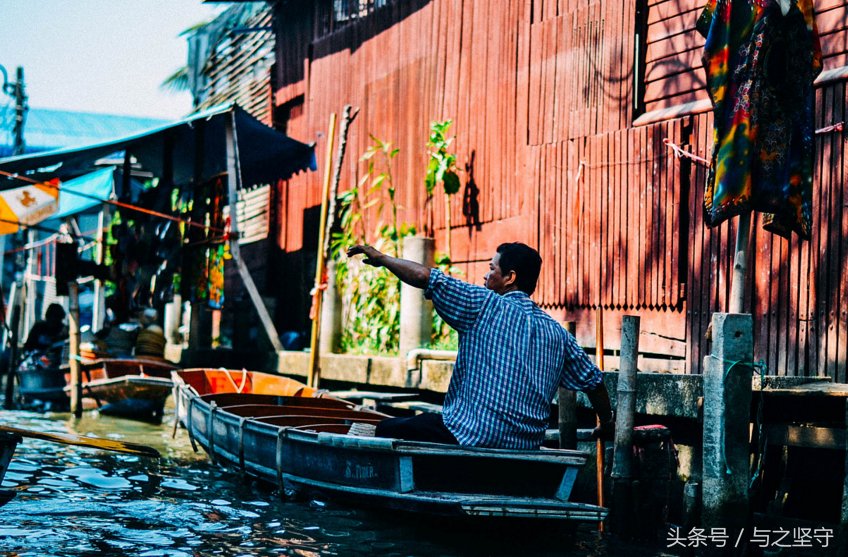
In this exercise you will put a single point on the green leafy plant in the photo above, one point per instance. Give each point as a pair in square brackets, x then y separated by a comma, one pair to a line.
[370, 296]
[442, 169]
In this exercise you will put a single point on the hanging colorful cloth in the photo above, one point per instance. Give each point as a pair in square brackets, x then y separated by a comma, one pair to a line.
[216, 276]
[760, 67]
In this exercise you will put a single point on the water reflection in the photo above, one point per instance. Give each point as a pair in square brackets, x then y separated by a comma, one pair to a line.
[72, 501]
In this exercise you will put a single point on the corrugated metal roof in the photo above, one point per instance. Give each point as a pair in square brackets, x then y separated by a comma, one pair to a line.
[264, 154]
[48, 129]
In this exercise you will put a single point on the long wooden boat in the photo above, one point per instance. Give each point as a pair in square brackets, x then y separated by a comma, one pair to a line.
[132, 388]
[287, 434]
[8, 443]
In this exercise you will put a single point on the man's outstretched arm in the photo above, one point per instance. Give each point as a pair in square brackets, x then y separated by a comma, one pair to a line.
[410, 272]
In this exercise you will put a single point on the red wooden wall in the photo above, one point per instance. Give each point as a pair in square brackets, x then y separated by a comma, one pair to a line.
[561, 125]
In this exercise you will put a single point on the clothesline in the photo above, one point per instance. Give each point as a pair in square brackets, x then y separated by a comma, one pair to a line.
[838, 127]
[120, 204]
[681, 152]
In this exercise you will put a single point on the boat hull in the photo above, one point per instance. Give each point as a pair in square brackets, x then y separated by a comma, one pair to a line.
[8, 443]
[45, 384]
[133, 388]
[298, 445]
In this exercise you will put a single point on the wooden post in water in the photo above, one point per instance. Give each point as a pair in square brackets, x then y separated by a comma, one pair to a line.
[12, 344]
[567, 403]
[73, 325]
[599, 445]
[622, 462]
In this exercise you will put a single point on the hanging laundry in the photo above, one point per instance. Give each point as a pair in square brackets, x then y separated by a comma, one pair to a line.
[760, 67]
[215, 287]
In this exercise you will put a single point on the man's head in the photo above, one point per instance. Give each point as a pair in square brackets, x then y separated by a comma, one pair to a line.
[55, 314]
[515, 266]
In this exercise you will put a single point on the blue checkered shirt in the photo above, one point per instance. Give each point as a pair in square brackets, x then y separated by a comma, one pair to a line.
[512, 357]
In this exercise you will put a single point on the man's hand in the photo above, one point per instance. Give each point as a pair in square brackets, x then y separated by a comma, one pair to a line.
[373, 257]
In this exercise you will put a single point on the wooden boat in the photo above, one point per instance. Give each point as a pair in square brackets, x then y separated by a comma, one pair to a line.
[283, 432]
[41, 378]
[8, 442]
[131, 388]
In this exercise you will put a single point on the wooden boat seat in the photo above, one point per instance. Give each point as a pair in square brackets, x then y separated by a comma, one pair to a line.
[294, 421]
[261, 410]
[231, 400]
[297, 421]
[325, 428]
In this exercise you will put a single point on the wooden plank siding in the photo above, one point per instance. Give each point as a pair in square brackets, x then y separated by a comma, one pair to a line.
[549, 116]
[239, 69]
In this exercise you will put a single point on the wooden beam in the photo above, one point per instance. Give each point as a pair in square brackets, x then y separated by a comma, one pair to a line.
[233, 177]
[810, 437]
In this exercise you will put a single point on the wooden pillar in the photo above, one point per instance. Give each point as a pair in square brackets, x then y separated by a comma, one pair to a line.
[12, 343]
[233, 177]
[567, 403]
[73, 321]
[99, 311]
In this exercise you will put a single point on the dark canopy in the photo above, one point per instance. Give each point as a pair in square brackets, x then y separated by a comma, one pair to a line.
[196, 143]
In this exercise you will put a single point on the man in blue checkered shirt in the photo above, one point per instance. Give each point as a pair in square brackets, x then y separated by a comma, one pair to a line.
[512, 356]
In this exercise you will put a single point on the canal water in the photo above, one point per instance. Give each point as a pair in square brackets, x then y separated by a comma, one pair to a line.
[73, 501]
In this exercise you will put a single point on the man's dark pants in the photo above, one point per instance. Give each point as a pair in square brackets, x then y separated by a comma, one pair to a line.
[423, 427]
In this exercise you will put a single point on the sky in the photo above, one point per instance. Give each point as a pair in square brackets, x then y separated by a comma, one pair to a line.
[103, 56]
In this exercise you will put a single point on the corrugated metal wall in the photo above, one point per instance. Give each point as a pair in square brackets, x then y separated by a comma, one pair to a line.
[544, 96]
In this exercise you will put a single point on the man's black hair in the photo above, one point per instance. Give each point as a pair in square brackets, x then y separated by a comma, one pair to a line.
[525, 261]
[54, 312]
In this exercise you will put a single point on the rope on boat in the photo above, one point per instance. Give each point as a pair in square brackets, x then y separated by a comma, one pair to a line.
[238, 388]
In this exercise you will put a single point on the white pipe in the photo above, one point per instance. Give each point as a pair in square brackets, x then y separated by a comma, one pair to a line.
[416, 355]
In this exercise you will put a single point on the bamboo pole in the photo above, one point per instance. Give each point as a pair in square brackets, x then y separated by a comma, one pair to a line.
[599, 444]
[314, 371]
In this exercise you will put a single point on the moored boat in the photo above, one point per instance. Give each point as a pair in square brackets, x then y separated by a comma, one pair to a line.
[303, 442]
[41, 379]
[131, 388]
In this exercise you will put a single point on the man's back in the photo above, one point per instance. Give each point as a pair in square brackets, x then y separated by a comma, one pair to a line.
[512, 357]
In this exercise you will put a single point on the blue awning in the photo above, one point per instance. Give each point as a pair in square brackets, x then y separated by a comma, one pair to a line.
[85, 192]
[194, 145]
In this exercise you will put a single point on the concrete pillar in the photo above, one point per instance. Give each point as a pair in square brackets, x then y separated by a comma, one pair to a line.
[416, 313]
[331, 314]
[727, 413]
[172, 319]
[622, 463]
